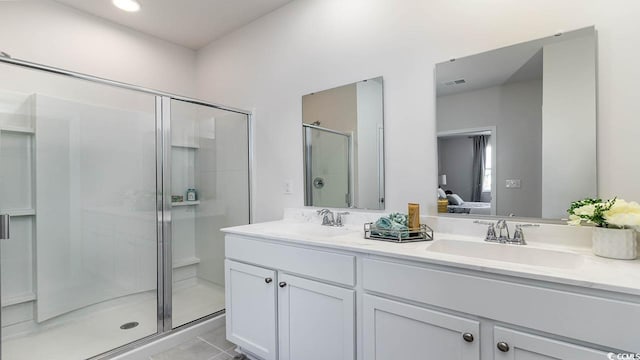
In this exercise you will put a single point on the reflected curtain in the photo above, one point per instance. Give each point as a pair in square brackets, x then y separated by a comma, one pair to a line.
[479, 161]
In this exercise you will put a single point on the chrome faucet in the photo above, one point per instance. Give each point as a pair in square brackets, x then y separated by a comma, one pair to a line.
[328, 217]
[502, 227]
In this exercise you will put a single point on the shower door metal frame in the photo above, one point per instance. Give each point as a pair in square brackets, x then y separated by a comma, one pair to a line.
[163, 198]
[165, 255]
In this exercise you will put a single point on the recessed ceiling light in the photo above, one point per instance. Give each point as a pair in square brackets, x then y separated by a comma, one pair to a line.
[127, 5]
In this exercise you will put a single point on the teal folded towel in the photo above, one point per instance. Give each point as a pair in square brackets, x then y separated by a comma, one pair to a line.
[386, 223]
[395, 221]
[399, 218]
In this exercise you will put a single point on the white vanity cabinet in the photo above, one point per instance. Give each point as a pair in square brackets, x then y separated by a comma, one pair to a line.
[276, 315]
[251, 308]
[564, 313]
[291, 301]
[516, 345]
[316, 321]
[395, 330]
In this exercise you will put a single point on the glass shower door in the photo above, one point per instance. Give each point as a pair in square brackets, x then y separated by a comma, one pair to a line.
[328, 172]
[78, 177]
[210, 190]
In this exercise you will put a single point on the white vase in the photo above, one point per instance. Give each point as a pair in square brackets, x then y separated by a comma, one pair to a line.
[615, 243]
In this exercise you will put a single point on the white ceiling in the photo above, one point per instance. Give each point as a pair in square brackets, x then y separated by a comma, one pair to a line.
[190, 23]
[514, 63]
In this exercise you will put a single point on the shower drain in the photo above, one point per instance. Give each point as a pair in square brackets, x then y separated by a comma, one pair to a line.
[129, 325]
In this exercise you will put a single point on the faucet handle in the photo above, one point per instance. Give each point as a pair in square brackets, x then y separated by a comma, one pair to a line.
[491, 230]
[526, 225]
[491, 233]
[482, 222]
[323, 211]
[339, 216]
[518, 235]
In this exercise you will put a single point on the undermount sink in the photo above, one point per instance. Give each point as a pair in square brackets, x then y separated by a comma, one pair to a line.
[518, 254]
[309, 229]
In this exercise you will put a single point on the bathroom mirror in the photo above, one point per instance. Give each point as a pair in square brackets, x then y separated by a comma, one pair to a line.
[500, 151]
[342, 131]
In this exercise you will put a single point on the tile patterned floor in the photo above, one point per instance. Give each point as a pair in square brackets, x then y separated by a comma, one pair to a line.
[208, 346]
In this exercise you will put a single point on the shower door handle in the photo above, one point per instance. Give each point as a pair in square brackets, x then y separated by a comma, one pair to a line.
[5, 221]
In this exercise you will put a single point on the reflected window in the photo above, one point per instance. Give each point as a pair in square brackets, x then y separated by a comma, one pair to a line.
[486, 182]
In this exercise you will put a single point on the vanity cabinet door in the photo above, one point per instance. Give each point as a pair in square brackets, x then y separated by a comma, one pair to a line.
[515, 345]
[251, 308]
[316, 320]
[393, 330]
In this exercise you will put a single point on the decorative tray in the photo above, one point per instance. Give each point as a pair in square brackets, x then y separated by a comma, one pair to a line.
[423, 233]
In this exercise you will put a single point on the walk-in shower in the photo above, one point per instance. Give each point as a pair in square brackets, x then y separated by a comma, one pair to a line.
[116, 195]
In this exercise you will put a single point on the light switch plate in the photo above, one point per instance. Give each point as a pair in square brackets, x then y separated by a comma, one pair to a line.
[512, 183]
[288, 187]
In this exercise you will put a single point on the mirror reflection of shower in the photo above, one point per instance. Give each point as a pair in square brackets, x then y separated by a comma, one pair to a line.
[343, 137]
[328, 170]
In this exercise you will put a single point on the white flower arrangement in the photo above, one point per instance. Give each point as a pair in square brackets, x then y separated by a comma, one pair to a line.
[614, 213]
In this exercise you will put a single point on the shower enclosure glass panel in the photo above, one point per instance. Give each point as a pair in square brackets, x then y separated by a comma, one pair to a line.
[328, 173]
[78, 176]
[210, 190]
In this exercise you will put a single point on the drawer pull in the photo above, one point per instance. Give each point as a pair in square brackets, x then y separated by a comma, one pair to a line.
[503, 346]
[282, 284]
[468, 337]
[268, 280]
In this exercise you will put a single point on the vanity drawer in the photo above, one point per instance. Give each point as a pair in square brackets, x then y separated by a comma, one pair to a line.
[322, 265]
[598, 320]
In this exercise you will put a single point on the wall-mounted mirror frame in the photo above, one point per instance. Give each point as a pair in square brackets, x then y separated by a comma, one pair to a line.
[499, 149]
[343, 146]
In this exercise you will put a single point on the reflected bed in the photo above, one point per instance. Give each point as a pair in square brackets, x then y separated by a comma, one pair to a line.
[469, 207]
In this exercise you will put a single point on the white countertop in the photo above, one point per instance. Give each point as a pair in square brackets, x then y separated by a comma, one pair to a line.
[592, 272]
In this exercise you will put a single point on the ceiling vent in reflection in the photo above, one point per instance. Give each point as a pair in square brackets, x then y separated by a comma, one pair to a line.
[455, 82]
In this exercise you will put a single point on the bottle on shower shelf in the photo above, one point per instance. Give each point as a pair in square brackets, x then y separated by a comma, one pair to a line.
[192, 195]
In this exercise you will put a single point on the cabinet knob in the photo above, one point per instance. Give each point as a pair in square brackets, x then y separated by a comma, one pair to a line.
[268, 280]
[468, 337]
[282, 284]
[503, 346]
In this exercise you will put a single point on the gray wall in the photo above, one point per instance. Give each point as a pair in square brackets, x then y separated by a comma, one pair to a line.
[455, 159]
[516, 112]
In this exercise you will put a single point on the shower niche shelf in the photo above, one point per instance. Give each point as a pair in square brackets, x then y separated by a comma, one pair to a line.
[185, 203]
[17, 129]
[187, 146]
